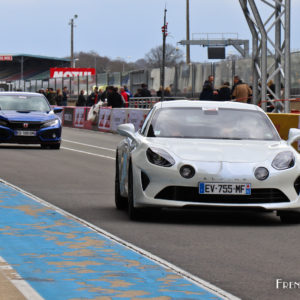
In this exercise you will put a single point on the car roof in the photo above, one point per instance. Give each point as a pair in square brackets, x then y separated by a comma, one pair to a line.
[206, 104]
[20, 93]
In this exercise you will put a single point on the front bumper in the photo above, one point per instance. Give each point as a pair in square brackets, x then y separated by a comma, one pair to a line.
[166, 187]
[44, 135]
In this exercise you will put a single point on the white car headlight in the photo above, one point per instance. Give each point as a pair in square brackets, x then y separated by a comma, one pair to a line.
[283, 160]
[51, 123]
[160, 157]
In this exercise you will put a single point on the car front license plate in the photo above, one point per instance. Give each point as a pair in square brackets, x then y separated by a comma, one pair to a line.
[209, 188]
[25, 133]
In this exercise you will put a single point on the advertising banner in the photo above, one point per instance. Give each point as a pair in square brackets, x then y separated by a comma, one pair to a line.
[68, 116]
[104, 119]
[79, 116]
[71, 72]
[118, 117]
[6, 58]
[137, 117]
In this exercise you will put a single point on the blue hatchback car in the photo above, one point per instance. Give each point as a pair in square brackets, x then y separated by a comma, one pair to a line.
[27, 118]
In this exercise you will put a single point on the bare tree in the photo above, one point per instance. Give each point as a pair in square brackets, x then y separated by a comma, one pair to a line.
[154, 56]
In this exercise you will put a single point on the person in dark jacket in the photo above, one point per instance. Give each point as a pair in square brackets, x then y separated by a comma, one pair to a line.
[208, 91]
[81, 101]
[65, 96]
[144, 91]
[59, 97]
[114, 99]
[224, 93]
[93, 97]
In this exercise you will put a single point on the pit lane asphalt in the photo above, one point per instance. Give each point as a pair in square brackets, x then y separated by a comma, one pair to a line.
[242, 253]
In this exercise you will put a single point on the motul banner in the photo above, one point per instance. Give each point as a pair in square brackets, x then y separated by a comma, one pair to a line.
[71, 72]
[6, 58]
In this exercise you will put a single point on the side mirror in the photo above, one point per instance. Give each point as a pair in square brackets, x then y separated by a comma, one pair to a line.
[127, 130]
[294, 135]
[57, 110]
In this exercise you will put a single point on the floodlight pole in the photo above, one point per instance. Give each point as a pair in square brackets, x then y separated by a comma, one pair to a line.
[188, 52]
[162, 76]
[72, 40]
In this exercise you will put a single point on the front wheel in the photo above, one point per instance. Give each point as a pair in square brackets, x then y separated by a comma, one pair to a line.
[50, 146]
[121, 202]
[289, 217]
[133, 212]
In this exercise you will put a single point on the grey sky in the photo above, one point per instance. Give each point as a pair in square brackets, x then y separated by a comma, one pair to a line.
[117, 28]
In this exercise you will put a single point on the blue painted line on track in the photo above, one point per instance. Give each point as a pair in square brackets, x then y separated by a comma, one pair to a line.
[63, 259]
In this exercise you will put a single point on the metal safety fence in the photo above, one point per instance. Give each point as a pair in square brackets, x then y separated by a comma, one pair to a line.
[182, 80]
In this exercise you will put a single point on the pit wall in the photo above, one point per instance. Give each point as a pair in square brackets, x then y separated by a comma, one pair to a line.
[109, 119]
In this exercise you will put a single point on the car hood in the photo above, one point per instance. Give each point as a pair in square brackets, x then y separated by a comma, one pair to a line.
[242, 151]
[35, 116]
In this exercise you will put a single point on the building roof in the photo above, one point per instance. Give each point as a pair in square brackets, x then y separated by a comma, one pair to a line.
[38, 57]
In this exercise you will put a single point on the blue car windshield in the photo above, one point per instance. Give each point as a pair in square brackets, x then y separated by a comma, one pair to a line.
[24, 103]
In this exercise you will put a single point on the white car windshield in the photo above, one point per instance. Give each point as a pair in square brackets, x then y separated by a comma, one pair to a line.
[24, 103]
[212, 123]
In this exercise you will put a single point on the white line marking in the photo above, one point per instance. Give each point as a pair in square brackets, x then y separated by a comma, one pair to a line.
[89, 153]
[108, 149]
[23, 286]
[194, 279]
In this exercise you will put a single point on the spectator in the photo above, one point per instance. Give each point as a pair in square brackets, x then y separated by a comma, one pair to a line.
[59, 97]
[65, 96]
[224, 93]
[167, 91]
[124, 95]
[159, 92]
[208, 91]
[93, 97]
[51, 95]
[144, 91]
[114, 99]
[127, 91]
[242, 91]
[138, 93]
[103, 96]
[81, 101]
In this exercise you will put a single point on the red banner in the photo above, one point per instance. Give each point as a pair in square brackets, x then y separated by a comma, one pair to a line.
[6, 58]
[71, 72]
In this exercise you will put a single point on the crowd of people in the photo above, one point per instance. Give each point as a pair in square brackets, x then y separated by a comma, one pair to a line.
[119, 97]
[58, 97]
[240, 91]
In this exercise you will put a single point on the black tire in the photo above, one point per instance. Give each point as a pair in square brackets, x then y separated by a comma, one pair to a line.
[50, 146]
[133, 212]
[289, 217]
[55, 146]
[121, 202]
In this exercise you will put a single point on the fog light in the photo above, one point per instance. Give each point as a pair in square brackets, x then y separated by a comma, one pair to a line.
[261, 173]
[187, 171]
[54, 135]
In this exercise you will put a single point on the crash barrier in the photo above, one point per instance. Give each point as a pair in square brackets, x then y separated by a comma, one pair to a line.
[283, 123]
[105, 119]
[108, 119]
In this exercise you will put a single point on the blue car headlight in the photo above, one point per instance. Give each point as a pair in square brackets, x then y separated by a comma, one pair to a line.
[3, 122]
[283, 160]
[160, 157]
[51, 123]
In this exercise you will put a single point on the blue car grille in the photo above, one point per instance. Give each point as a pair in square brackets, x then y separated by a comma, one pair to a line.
[20, 125]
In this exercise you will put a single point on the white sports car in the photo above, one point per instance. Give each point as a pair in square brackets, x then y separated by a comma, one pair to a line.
[207, 154]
